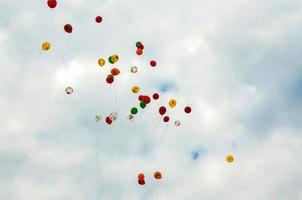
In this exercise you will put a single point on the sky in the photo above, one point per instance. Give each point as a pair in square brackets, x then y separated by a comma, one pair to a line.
[236, 63]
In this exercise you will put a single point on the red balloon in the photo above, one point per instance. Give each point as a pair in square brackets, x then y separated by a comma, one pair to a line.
[155, 96]
[188, 109]
[166, 118]
[146, 99]
[98, 19]
[52, 3]
[141, 181]
[108, 120]
[109, 79]
[68, 28]
[141, 46]
[162, 110]
[140, 97]
[153, 63]
[139, 52]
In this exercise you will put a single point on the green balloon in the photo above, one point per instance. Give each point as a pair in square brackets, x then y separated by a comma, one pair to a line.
[142, 104]
[138, 44]
[134, 110]
[110, 60]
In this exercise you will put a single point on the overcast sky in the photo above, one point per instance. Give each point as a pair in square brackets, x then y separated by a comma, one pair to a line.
[237, 63]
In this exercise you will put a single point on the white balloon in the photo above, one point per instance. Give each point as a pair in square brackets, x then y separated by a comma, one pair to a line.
[177, 123]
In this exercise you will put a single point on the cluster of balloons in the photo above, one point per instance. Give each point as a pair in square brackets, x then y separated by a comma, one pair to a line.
[144, 100]
[114, 71]
[141, 177]
[172, 103]
[111, 118]
[68, 29]
[139, 48]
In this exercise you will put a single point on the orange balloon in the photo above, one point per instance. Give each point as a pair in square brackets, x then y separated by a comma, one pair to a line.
[157, 175]
[141, 176]
[115, 71]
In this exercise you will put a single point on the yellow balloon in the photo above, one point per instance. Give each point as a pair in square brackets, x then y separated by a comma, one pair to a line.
[114, 58]
[135, 89]
[102, 62]
[46, 46]
[229, 158]
[172, 103]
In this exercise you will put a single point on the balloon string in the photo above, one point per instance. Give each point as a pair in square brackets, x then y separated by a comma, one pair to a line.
[96, 144]
[67, 47]
[163, 135]
[40, 53]
[115, 98]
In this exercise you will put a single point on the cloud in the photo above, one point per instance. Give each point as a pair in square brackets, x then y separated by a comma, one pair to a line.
[237, 64]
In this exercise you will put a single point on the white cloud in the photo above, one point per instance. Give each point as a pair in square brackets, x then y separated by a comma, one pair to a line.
[234, 62]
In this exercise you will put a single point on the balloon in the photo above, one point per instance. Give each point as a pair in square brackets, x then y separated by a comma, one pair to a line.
[113, 116]
[172, 103]
[110, 60]
[114, 58]
[133, 69]
[157, 175]
[177, 123]
[141, 176]
[162, 110]
[146, 99]
[134, 110]
[109, 79]
[98, 19]
[153, 63]
[166, 119]
[101, 62]
[141, 182]
[115, 71]
[155, 96]
[98, 118]
[46, 46]
[188, 109]
[138, 44]
[139, 52]
[52, 3]
[130, 117]
[68, 28]
[135, 89]
[108, 120]
[142, 104]
[141, 47]
[229, 158]
[140, 97]
[69, 90]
